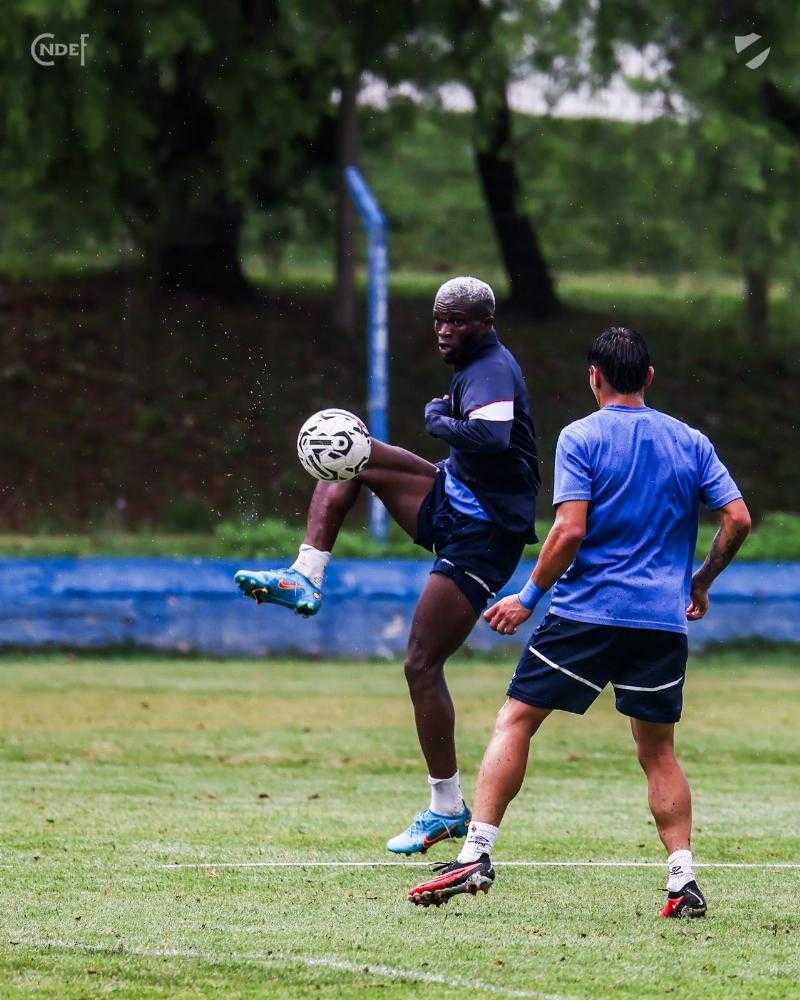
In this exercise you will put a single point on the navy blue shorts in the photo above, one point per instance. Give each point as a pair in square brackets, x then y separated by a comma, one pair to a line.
[567, 664]
[478, 556]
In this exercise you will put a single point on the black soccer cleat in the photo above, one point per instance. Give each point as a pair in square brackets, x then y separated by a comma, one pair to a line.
[687, 902]
[454, 878]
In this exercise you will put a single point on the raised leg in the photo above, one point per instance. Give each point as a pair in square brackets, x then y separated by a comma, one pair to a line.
[506, 760]
[667, 788]
[442, 621]
[399, 478]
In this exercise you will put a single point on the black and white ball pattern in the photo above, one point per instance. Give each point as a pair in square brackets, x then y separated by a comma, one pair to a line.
[334, 445]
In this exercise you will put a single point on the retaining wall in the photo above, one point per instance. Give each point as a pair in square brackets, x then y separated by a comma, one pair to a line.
[191, 605]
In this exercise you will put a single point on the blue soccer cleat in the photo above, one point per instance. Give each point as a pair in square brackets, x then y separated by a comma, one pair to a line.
[428, 828]
[285, 587]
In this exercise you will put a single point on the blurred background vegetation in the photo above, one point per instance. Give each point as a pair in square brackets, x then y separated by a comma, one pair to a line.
[180, 279]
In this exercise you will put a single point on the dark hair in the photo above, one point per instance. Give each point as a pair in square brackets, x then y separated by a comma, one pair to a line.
[621, 355]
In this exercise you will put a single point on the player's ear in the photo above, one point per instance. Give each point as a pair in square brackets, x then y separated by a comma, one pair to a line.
[648, 379]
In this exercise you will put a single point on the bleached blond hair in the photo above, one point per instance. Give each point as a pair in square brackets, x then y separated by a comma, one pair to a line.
[473, 293]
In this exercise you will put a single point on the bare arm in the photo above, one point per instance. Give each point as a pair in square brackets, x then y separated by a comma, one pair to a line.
[734, 526]
[562, 543]
[557, 552]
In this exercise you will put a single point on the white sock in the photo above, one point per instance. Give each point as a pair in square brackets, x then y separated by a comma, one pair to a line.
[446, 797]
[480, 840]
[312, 563]
[680, 866]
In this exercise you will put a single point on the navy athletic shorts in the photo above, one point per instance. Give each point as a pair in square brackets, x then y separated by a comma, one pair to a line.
[567, 664]
[478, 556]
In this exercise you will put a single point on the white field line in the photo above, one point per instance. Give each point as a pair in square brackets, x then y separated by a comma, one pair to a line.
[174, 866]
[281, 958]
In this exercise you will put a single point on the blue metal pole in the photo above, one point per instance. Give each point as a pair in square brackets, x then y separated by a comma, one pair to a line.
[377, 326]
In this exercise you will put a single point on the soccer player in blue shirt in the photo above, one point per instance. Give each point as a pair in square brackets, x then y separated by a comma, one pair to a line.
[475, 511]
[628, 484]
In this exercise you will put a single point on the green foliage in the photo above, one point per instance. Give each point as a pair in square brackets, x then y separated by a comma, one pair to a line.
[177, 108]
[274, 539]
[776, 538]
[187, 515]
[184, 107]
[178, 104]
[648, 197]
[744, 123]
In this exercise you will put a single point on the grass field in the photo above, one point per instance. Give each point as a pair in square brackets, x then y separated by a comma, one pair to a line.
[115, 768]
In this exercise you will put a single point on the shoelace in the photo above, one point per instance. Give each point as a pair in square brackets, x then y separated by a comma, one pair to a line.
[444, 866]
[417, 823]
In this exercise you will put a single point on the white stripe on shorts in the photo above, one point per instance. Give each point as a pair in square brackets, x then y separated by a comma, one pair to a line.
[564, 670]
[633, 687]
[481, 582]
[466, 572]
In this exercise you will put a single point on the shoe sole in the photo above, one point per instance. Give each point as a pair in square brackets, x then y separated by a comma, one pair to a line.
[683, 911]
[261, 595]
[686, 913]
[437, 897]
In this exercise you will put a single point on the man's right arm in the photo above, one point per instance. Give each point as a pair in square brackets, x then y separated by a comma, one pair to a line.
[733, 529]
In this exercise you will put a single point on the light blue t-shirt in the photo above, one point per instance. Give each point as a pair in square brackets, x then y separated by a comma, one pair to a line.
[645, 475]
[461, 496]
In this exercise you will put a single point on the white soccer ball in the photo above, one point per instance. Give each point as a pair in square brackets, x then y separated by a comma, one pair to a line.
[334, 445]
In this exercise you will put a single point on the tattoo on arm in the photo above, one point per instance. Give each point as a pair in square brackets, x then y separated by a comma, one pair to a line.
[724, 547]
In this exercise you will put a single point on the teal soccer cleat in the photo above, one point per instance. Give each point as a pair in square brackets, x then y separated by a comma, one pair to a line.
[285, 587]
[428, 828]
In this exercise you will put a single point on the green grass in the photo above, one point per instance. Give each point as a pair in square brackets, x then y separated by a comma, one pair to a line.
[776, 539]
[114, 766]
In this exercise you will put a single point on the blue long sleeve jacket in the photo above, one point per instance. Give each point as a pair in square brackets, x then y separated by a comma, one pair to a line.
[488, 425]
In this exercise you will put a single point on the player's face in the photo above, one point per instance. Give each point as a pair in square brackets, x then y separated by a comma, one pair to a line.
[457, 331]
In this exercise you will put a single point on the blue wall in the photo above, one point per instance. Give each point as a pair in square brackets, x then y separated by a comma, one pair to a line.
[192, 605]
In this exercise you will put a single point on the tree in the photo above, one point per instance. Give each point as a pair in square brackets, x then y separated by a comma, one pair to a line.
[182, 116]
[485, 45]
[746, 118]
[344, 306]
[531, 285]
[355, 39]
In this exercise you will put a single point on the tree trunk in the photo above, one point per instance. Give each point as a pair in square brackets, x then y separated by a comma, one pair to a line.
[196, 226]
[344, 306]
[197, 250]
[532, 289]
[782, 108]
[757, 302]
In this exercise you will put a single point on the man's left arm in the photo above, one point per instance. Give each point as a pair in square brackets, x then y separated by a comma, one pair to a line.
[719, 492]
[488, 402]
[557, 553]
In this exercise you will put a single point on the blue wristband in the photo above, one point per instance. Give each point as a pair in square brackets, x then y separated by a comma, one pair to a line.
[530, 595]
